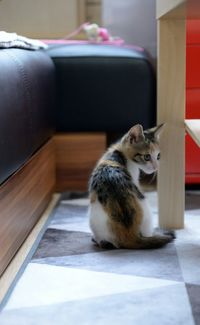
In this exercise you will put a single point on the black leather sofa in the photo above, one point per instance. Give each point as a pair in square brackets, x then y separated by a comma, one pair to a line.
[27, 95]
[68, 88]
[97, 88]
[103, 88]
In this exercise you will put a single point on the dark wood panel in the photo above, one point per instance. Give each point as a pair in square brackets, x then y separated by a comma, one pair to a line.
[76, 155]
[23, 198]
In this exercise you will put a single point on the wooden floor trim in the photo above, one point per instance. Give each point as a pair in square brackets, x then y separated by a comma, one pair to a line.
[15, 268]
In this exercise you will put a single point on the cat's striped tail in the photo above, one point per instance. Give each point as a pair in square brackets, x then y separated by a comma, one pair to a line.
[156, 241]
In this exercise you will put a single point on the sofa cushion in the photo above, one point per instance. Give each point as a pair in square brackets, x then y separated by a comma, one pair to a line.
[102, 87]
[26, 106]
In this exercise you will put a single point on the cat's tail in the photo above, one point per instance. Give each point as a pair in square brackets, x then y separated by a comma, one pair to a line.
[153, 242]
[156, 241]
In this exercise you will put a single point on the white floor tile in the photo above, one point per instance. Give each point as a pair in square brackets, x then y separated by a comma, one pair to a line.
[44, 285]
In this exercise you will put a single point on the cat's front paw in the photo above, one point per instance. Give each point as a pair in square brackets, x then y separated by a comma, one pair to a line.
[103, 244]
[106, 245]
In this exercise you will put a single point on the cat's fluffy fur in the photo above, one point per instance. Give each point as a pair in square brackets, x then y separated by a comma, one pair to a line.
[119, 213]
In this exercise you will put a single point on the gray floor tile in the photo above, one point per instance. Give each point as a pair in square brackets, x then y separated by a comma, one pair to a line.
[56, 242]
[189, 259]
[194, 297]
[66, 213]
[162, 263]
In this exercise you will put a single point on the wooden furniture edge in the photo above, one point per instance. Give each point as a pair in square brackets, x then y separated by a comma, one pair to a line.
[177, 9]
[32, 185]
[171, 110]
[173, 9]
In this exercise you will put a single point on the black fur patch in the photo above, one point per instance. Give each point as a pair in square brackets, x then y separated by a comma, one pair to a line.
[149, 136]
[113, 186]
[111, 181]
[139, 194]
[138, 158]
[117, 156]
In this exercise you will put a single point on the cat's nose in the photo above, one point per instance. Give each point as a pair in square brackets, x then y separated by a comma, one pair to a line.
[155, 164]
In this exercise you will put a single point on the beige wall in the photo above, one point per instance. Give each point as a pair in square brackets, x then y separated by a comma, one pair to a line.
[39, 18]
[93, 11]
[133, 20]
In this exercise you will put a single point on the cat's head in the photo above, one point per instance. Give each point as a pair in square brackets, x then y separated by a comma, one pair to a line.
[142, 147]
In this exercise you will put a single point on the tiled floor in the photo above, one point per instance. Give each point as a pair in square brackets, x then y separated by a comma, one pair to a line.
[70, 281]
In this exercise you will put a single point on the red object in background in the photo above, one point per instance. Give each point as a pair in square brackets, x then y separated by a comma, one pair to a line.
[192, 98]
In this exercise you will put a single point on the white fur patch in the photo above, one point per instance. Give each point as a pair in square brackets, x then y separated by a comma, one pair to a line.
[147, 221]
[99, 223]
[133, 170]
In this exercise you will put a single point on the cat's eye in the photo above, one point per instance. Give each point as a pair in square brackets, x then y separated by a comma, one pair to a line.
[158, 156]
[147, 157]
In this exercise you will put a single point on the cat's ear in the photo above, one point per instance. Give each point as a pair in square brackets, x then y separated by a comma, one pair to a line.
[136, 134]
[158, 130]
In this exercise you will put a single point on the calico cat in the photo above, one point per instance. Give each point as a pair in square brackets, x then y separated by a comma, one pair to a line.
[118, 212]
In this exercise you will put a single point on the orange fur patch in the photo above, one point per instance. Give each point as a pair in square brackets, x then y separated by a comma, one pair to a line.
[125, 237]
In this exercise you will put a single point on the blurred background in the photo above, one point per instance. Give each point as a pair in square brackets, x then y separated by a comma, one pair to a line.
[132, 20]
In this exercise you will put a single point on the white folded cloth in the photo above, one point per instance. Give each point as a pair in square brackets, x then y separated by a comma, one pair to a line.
[8, 40]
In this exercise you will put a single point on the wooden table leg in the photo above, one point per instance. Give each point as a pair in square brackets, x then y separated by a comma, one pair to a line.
[171, 109]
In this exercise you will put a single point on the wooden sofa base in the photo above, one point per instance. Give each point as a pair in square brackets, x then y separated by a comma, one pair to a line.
[23, 198]
[25, 195]
[76, 155]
